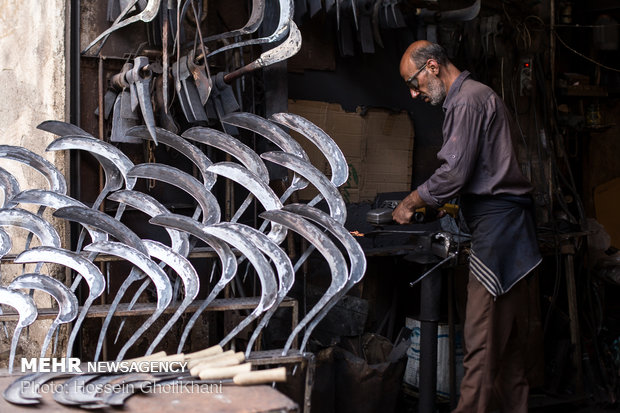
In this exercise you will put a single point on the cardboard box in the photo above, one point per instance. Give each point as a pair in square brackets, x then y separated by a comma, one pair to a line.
[378, 146]
[412, 372]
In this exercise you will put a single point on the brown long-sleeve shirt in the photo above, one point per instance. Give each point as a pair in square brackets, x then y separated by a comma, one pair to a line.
[477, 153]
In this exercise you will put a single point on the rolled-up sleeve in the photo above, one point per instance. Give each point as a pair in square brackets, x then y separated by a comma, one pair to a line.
[462, 129]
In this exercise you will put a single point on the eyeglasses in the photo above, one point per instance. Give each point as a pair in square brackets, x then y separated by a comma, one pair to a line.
[412, 82]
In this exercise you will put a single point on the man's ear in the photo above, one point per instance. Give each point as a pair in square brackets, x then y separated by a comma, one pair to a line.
[433, 66]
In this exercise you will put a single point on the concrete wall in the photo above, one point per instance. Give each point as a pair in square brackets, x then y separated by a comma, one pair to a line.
[33, 87]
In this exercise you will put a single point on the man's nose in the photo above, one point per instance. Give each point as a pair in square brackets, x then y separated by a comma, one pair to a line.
[414, 93]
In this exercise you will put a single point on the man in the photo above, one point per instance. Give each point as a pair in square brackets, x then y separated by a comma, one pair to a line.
[479, 166]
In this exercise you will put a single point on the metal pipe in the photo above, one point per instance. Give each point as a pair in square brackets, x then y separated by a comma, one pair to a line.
[430, 293]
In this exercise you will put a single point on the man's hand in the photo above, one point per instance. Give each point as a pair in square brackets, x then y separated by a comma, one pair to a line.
[403, 213]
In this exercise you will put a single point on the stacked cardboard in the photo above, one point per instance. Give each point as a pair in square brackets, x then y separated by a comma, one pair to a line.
[378, 146]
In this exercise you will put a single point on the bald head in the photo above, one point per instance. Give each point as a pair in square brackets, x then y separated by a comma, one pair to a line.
[418, 53]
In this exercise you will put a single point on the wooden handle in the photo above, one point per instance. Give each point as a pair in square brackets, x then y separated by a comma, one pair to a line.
[261, 376]
[230, 360]
[150, 357]
[196, 361]
[210, 351]
[218, 373]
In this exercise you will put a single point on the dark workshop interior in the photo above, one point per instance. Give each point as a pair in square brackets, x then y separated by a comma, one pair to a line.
[296, 122]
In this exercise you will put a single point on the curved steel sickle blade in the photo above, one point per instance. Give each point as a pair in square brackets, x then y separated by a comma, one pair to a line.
[53, 176]
[151, 207]
[33, 223]
[223, 251]
[337, 207]
[173, 176]
[12, 393]
[146, 15]
[327, 146]
[357, 258]
[231, 146]
[254, 21]
[84, 267]
[284, 268]
[55, 200]
[286, 14]
[157, 276]
[103, 150]
[61, 128]
[263, 193]
[103, 222]
[191, 152]
[5, 243]
[274, 134]
[187, 273]
[265, 274]
[67, 301]
[24, 304]
[9, 186]
[333, 256]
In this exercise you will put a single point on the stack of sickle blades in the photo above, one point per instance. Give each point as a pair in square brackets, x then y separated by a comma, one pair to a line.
[166, 263]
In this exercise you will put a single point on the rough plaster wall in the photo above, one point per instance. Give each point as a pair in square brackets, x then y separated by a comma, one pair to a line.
[33, 88]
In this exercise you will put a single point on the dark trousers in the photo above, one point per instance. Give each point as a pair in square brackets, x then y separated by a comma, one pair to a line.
[493, 363]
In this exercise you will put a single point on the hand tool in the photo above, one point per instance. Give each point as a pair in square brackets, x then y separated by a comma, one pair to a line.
[225, 254]
[53, 176]
[187, 273]
[24, 304]
[286, 49]
[157, 276]
[146, 15]
[263, 193]
[84, 268]
[191, 152]
[150, 206]
[333, 256]
[286, 274]
[139, 79]
[357, 258]
[67, 301]
[206, 200]
[231, 146]
[9, 186]
[254, 21]
[464, 14]
[284, 23]
[265, 274]
[274, 134]
[327, 189]
[44, 231]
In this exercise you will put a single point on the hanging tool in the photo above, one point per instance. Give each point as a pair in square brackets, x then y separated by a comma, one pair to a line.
[191, 152]
[223, 251]
[146, 15]
[85, 269]
[27, 310]
[157, 276]
[260, 190]
[207, 203]
[286, 49]
[10, 187]
[333, 256]
[254, 21]
[357, 258]
[285, 23]
[67, 301]
[139, 80]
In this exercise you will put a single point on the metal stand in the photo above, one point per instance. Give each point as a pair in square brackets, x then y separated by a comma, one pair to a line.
[430, 293]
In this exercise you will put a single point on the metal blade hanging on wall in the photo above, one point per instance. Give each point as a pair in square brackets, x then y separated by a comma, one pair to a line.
[254, 21]
[9, 186]
[284, 23]
[27, 310]
[157, 276]
[85, 269]
[191, 152]
[337, 264]
[223, 251]
[67, 301]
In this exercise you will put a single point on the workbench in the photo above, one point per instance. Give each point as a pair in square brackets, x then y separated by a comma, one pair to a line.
[231, 399]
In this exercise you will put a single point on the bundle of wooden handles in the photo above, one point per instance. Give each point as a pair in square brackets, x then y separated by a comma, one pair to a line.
[214, 363]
